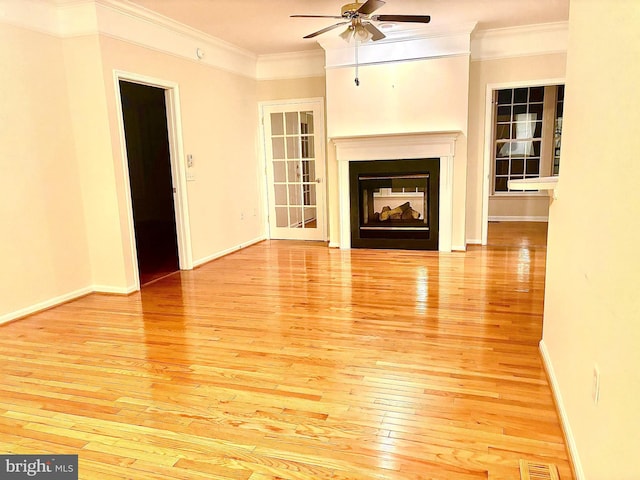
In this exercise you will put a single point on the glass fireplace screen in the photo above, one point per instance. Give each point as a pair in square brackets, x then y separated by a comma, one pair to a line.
[393, 202]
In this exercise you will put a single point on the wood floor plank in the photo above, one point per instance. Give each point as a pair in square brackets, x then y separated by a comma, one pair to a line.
[290, 360]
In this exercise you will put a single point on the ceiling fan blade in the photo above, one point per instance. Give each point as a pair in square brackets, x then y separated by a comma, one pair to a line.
[373, 30]
[326, 29]
[315, 16]
[370, 6]
[402, 18]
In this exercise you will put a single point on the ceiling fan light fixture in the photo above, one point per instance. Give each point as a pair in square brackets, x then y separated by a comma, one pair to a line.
[361, 34]
[347, 35]
[356, 32]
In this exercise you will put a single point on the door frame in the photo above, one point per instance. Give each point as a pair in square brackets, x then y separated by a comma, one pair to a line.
[488, 140]
[320, 102]
[178, 168]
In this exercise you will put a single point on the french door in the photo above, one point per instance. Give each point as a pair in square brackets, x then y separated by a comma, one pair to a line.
[295, 165]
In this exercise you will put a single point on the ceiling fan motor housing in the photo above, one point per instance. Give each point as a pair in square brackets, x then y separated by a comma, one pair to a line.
[350, 8]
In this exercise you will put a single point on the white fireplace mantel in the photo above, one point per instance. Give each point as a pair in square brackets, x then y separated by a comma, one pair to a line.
[393, 147]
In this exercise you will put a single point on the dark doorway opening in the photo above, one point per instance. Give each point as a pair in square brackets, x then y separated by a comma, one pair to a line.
[145, 124]
[394, 203]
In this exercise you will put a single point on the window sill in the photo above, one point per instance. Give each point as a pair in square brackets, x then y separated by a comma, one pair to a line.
[542, 183]
[512, 195]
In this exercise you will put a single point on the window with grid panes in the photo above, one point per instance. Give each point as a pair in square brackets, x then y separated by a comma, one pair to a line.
[518, 135]
[527, 134]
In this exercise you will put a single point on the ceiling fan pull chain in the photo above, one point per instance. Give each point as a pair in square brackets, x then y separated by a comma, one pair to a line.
[357, 80]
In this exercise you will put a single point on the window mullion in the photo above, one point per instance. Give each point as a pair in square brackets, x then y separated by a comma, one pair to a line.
[548, 121]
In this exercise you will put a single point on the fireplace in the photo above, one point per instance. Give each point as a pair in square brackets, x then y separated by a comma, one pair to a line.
[394, 203]
[416, 145]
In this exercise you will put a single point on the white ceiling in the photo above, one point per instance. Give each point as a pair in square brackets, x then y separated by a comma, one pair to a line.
[264, 27]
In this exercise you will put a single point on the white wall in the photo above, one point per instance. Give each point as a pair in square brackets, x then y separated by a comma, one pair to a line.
[592, 301]
[43, 241]
[399, 97]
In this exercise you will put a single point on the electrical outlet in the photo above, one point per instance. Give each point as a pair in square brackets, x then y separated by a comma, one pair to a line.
[595, 385]
[241, 215]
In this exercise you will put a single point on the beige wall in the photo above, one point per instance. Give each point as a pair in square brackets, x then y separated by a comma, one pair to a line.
[220, 129]
[310, 87]
[43, 241]
[532, 69]
[592, 305]
[524, 206]
[64, 175]
[401, 97]
[93, 149]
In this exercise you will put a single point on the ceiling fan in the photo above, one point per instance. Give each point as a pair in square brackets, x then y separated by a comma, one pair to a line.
[358, 17]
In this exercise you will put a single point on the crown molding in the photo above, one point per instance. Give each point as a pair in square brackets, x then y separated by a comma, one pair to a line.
[77, 18]
[125, 21]
[540, 39]
[128, 22]
[405, 45]
[291, 65]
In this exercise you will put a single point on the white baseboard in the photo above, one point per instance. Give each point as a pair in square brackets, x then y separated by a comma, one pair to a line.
[114, 290]
[334, 244]
[67, 297]
[38, 307]
[515, 218]
[474, 241]
[564, 419]
[227, 251]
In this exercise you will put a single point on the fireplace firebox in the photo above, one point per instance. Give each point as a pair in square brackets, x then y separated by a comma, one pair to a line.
[394, 203]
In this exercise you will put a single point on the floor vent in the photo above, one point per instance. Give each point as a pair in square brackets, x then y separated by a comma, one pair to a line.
[538, 471]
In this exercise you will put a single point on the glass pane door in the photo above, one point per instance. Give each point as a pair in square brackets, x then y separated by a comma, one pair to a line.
[295, 166]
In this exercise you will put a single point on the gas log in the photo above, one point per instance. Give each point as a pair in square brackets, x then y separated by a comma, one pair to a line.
[402, 212]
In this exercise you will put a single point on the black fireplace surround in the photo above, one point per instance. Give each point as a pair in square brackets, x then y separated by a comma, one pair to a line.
[394, 203]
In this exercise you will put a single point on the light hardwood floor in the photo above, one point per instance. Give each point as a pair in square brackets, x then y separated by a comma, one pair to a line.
[517, 234]
[292, 360]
